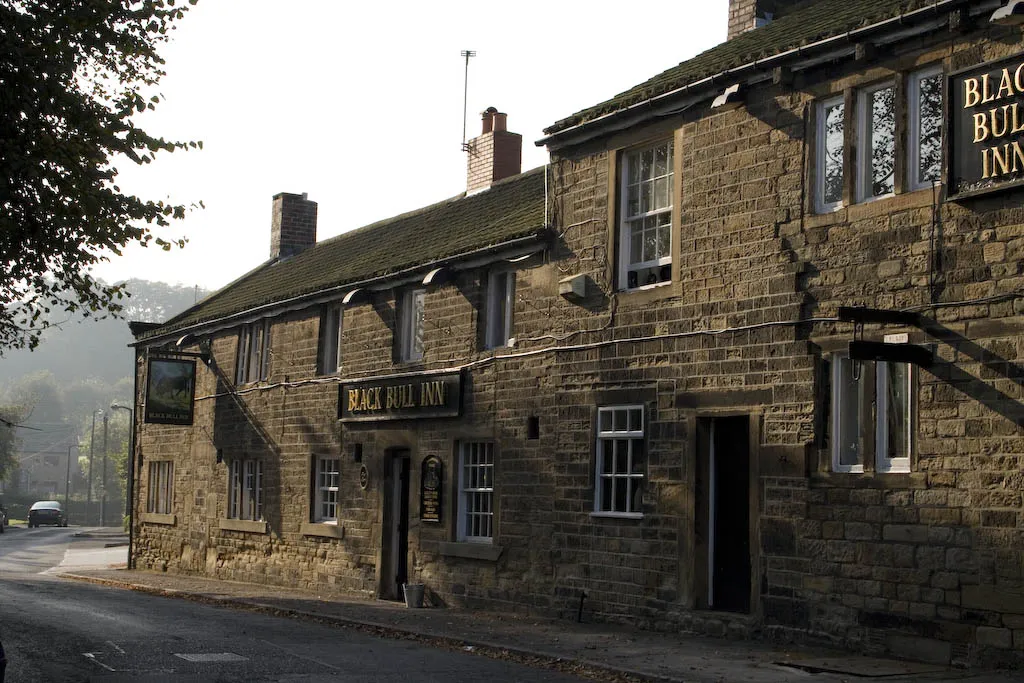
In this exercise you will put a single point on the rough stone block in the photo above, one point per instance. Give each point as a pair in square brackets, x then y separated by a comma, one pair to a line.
[994, 637]
[993, 599]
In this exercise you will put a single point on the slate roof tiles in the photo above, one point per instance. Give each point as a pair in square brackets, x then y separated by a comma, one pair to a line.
[510, 209]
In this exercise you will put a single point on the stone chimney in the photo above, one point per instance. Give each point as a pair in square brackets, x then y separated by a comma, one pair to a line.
[292, 224]
[746, 15]
[496, 154]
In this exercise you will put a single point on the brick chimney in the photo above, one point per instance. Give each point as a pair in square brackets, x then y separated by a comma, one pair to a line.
[292, 224]
[496, 154]
[746, 15]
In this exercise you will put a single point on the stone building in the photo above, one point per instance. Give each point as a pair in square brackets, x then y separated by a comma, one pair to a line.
[743, 358]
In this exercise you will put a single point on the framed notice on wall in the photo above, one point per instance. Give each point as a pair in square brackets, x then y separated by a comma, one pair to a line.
[431, 482]
[170, 391]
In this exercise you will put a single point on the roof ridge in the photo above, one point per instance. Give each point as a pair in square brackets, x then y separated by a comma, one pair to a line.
[428, 208]
[511, 209]
[804, 23]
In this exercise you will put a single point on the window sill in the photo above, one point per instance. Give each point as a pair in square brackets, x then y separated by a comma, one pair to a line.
[471, 551]
[618, 515]
[246, 525]
[641, 296]
[870, 208]
[322, 529]
[870, 480]
[156, 518]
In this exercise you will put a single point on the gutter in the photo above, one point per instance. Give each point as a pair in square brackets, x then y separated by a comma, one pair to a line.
[594, 127]
[321, 296]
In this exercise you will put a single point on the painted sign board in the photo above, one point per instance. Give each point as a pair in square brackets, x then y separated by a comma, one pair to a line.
[985, 149]
[170, 391]
[401, 397]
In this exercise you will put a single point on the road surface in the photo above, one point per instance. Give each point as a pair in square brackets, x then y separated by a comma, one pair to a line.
[61, 630]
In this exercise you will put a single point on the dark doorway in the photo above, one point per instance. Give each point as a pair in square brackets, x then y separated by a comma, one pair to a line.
[723, 513]
[395, 543]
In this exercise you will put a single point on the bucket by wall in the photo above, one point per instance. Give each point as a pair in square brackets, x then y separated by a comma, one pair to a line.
[413, 594]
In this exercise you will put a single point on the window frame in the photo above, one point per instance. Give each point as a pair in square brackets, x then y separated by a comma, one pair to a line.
[160, 496]
[872, 384]
[634, 506]
[625, 265]
[412, 324]
[885, 462]
[332, 321]
[914, 125]
[840, 407]
[866, 125]
[245, 489]
[821, 157]
[249, 367]
[326, 494]
[499, 308]
[476, 502]
[857, 160]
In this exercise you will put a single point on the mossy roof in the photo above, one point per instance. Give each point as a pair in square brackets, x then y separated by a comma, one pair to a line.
[510, 209]
[801, 25]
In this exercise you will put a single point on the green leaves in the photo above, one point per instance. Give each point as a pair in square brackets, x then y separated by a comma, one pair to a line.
[73, 74]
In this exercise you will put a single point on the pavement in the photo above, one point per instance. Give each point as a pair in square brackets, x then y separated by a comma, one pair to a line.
[599, 651]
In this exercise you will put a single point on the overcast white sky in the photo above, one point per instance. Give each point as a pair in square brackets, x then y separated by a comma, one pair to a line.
[360, 105]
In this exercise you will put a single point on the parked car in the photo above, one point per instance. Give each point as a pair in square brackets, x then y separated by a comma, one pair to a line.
[3, 518]
[47, 512]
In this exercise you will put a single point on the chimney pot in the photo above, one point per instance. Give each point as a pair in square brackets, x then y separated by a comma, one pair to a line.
[487, 119]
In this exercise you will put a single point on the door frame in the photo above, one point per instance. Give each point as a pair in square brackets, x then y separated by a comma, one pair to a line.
[694, 577]
[395, 510]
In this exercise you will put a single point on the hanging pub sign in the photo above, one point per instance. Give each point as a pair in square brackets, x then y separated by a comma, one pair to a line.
[986, 128]
[401, 397]
[170, 391]
[431, 480]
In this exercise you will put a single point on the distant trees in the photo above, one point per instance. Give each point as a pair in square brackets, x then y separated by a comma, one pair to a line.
[79, 351]
[80, 367]
[72, 75]
[9, 418]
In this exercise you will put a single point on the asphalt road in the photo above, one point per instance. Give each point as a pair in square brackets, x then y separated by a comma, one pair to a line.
[56, 630]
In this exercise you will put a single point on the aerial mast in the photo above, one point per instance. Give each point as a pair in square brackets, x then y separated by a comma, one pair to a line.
[465, 97]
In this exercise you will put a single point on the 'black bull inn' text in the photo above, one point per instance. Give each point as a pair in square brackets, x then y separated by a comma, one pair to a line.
[998, 122]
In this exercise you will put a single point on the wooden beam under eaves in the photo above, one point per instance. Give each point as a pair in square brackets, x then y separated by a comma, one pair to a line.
[865, 52]
[782, 75]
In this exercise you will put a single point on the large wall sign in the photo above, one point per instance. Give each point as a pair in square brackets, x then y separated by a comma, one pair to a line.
[401, 398]
[986, 127]
[170, 391]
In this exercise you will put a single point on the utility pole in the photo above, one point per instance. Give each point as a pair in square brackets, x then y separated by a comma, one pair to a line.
[103, 484]
[67, 482]
[92, 447]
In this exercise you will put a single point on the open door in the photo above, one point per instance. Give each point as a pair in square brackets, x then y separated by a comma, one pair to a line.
[395, 541]
[722, 517]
